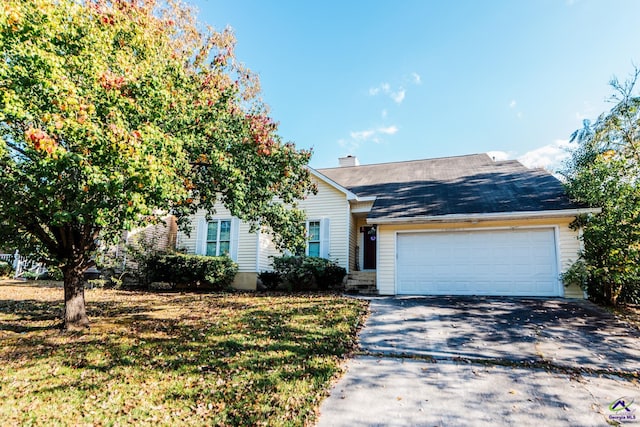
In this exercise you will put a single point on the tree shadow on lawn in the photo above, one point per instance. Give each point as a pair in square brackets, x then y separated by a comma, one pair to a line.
[22, 283]
[267, 343]
[24, 313]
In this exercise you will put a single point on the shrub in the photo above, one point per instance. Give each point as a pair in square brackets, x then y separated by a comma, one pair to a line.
[583, 275]
[5, 269]
[292, 272]
[191, 271]
[270, 279]
[576, 275]
[331, 276]
[54, 273]
[303, 272]
[32, 275]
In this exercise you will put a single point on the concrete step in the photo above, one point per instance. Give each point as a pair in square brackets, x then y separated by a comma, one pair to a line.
[361, 282]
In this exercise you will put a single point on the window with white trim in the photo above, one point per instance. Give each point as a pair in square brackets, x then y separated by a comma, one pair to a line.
[313, 238]
[218, 237]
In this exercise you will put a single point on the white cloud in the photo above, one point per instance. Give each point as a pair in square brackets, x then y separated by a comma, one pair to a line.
[362, 135]
[350, 145]
[549, 156]
[398, 96]
[499, 155]
[384, 114]
[391, 130]
[512, 105]
[385, 88]
[358, 138]
[416, 78]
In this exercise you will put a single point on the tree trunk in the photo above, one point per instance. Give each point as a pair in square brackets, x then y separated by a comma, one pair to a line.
[75, 314]
[611, 293]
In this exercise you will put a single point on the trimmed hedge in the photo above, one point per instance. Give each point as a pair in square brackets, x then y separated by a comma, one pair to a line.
[304, 272]
[194, 272]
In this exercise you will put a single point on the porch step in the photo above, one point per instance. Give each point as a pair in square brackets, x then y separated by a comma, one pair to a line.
[361, 283]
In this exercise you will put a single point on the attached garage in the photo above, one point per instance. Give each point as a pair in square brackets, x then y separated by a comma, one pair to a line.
[504, 262]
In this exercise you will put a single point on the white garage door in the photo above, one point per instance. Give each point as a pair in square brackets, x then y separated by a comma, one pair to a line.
[502, 262]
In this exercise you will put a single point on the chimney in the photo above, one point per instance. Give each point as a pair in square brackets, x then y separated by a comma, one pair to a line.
[348, 161]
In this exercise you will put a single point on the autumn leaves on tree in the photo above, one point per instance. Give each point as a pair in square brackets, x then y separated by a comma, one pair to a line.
[114, 111]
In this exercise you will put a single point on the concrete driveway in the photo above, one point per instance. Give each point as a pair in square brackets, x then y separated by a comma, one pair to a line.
[446, 361]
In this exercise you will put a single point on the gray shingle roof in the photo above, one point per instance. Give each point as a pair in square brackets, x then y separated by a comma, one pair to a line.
[472, 184]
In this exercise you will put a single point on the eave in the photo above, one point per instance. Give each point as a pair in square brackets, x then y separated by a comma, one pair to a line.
[351, 196]
[494, 216]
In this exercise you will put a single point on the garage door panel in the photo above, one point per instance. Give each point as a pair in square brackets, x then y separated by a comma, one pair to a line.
[496, 262]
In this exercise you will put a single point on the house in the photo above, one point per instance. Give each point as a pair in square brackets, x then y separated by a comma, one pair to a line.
[158, 237]
[465, 225]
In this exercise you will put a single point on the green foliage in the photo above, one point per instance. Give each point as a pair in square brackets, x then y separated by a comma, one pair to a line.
[270, 279]
[192, 271]
[304, 272]
[32, 275]
[54, 273]
[6, 269]
[576, 275]
[331, 276]
[604, 172]
[112, 112]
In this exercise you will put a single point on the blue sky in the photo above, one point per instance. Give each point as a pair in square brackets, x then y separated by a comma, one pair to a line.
[401, 80]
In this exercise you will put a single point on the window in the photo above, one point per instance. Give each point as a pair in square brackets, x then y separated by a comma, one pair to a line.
[218, 237]
[313, 238]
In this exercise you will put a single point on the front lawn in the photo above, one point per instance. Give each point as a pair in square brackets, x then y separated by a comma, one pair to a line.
[171, 359]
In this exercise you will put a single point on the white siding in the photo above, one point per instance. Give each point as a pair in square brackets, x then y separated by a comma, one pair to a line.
[386, 263]
[246, 249]
[266, 250]
[569, 247]
[254, 253]
[569, 244]
[331, 203]
[247, 242]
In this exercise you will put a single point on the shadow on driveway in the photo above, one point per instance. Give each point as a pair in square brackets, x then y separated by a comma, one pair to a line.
[569, 333]
[443, 361]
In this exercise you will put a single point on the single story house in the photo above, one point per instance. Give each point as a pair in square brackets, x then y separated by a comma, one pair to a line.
[465, 225]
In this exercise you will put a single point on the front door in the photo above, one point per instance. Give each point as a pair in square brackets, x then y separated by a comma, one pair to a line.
[369, 250]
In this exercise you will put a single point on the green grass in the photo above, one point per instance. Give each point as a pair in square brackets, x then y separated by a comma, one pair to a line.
[171, 359]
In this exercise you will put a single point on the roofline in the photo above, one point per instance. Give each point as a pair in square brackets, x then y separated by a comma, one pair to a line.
[415, 160]
[350, 195]
[485, 216]
[366, 198]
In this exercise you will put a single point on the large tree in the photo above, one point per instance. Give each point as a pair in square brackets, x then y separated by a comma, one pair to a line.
[604, 171]
[113, 111]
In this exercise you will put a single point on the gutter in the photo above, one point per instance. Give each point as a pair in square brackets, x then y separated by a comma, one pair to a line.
[494, 216]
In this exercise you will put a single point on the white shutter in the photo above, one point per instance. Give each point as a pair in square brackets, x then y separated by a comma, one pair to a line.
[201, 237]
[233, 249]
[325, 237]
